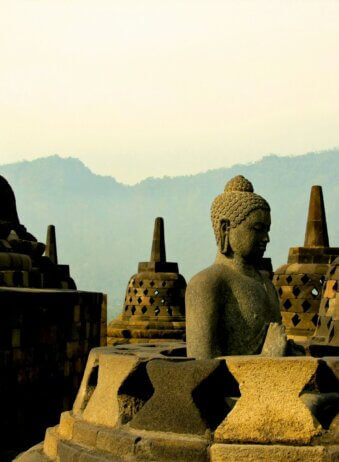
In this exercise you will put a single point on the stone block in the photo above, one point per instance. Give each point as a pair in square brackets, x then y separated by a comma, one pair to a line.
[88, 456]
[85, 433]
[68, 452]
[188, 397]
[51, 442]
[66, 425]
[117, 443]
[272, 453]
[269, 409]
[172, 448]
[103, 407]
[89, 381]
[76, 313]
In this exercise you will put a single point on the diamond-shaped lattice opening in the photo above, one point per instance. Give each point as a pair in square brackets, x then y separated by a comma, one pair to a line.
[126, 308]
[163, 283]
[133, 282]
[139, 300]
[296, 319]
[145, 292]
[129, 291]
[289, 279]
[330, 337]
[157, 311]
[169, 311]
[287, 304]
[133, 309]
[151, 300]
[335, 286]
[315, 292]
[327, 304]
[152, 283]
[130, 299]
[141, 283]
[296, 291]
[306, 305]
[332, 270]
[156, 292]
[135, 291]
[143, 309]
[305, 279]
[315, 319]
[277, 278]
[328, 323]
[280, 291]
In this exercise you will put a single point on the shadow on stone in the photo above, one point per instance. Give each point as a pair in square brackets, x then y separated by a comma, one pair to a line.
[214, 409]
[134, 392]
[321, 395]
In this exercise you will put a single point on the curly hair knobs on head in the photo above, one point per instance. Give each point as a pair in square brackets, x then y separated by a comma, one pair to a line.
[236, 202]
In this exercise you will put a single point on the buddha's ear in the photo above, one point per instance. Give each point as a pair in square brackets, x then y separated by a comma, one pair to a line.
[224, 227]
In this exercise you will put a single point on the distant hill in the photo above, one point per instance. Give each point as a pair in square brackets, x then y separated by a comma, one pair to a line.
[104, 228]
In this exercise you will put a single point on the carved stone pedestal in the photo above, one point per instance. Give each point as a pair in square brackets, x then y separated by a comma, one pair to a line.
[151, 403]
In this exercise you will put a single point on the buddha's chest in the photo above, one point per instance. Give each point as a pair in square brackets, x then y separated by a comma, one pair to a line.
[252, 302]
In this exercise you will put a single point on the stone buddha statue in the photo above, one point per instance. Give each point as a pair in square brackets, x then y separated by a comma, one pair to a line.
[231, 304]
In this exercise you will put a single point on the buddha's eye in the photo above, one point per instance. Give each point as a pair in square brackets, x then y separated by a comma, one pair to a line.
[260, 227]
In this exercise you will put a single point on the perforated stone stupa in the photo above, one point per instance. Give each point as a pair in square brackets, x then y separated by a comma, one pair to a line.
[299, 283]
[327, 331]
[154, 307]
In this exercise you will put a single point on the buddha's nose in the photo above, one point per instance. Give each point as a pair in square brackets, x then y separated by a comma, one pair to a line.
[266, 238]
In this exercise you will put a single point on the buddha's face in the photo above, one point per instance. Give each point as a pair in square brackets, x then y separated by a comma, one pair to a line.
[250, 238]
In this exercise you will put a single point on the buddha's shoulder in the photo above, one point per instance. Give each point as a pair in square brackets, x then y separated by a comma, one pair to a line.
[212, 276]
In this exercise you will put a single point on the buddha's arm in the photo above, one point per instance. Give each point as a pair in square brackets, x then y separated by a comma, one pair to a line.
[202, 317]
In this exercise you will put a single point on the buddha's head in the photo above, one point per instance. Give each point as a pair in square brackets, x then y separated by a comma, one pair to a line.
[241, 221]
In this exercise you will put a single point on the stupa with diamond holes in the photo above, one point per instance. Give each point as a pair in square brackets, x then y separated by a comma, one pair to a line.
[299, 283]
[154, 307]
[326, 336]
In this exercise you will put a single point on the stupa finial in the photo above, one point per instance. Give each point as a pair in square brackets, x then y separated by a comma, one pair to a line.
[158, 253]
[316, 230]
[51, 245]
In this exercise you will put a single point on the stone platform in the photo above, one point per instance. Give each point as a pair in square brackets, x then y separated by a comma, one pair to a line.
[151, 403]
[46, 336]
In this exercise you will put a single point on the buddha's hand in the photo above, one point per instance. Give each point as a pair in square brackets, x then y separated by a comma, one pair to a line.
[276, 340]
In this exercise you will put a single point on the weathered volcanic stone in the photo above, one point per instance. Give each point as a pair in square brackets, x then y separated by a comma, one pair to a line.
[230, 304]
[108, 405]
[188, 397]
[154, 307]
[299, 283]
[270, 409]
[274, 453]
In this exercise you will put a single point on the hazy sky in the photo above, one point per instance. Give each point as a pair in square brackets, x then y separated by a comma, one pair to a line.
[166, 87]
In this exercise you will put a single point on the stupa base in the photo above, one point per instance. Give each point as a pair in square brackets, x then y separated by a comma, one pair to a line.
[92, 443]
[140, 403]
